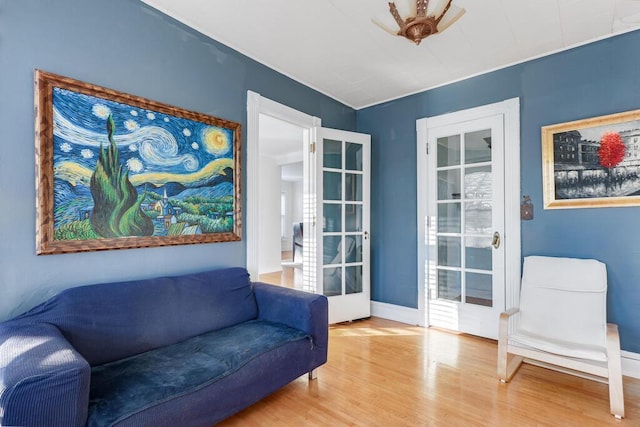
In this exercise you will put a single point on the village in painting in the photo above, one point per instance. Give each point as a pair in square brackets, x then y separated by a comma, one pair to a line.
[122, 171]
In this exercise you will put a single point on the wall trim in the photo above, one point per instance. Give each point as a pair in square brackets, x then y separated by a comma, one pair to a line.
[398, 313]
[630, 364]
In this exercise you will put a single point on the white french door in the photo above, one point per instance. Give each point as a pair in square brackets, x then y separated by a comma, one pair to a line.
[469, 254]
[342, 222]
[466, 197]
[335, 211]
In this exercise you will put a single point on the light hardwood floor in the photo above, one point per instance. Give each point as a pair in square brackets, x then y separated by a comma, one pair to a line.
[383, 373]
[283, 277]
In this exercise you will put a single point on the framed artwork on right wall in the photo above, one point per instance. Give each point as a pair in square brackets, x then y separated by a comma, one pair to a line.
[592, 163]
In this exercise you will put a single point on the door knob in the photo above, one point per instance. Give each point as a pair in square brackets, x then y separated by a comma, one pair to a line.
[496, 240]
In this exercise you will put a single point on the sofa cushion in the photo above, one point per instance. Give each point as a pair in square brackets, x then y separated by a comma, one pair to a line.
[111, 321]
[125, 387]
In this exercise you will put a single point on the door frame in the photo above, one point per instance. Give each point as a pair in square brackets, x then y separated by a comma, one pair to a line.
[256, 105]
[510, 110]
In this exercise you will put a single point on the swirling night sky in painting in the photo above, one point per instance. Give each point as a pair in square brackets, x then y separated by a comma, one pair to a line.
[182, 168]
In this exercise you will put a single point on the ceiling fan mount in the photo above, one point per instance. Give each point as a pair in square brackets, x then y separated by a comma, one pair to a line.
[422, 25]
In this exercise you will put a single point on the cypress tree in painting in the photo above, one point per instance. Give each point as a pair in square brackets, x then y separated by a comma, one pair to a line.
[116, 208]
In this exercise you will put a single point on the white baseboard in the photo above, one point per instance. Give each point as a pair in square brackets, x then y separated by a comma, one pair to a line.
[630, 364]
[411, 316]
[398, 313]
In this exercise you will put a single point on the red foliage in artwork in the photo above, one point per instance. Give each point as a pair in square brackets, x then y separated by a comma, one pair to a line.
[611, 151]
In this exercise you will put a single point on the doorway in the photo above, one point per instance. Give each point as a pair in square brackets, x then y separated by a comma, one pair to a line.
[468, 202]
[264, 250]
[335, 210]
[280, 194]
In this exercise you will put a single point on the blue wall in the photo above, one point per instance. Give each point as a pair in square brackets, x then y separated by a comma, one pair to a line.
[592, 80]
[127, 46]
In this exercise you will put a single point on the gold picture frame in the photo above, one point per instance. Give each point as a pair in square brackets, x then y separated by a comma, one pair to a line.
[117, 171]
[592, 163]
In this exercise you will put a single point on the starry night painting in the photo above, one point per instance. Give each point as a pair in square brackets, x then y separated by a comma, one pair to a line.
[118, 171]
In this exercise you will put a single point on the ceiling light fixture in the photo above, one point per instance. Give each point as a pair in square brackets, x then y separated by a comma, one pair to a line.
[424, 21]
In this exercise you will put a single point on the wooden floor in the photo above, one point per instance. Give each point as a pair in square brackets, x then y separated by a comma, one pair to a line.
[284, 277]
[383, 373]
[281, 278]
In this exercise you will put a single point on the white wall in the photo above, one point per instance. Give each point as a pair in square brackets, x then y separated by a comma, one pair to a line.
[269, 215]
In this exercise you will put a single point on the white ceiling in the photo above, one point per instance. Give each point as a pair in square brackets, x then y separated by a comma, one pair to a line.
[332, 45]
[293, 172]
[282, 141]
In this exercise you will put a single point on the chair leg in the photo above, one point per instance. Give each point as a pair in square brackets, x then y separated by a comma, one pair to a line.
[616, 393]
[506, 367]
[503, 360]
[313, 375]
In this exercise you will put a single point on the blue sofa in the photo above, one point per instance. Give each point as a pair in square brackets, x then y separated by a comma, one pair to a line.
[188, 350]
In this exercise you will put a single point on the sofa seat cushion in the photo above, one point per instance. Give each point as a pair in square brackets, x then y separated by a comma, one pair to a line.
[124, 387]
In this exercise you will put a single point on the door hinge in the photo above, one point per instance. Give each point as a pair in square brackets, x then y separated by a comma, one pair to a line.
[427, 146]
[312, 147]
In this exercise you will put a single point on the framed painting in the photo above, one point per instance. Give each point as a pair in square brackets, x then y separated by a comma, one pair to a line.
[116, 171]
[592, 163]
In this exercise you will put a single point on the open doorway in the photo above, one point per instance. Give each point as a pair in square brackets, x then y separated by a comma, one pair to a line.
[280, 194]
[324, 178]
[264, 111]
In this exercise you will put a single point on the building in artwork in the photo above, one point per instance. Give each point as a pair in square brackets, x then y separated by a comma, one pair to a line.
[163, 206]
[570, 150]
[183, 229]
[631, 140]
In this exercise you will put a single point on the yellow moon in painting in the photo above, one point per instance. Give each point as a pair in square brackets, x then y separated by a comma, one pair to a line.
[215, 141]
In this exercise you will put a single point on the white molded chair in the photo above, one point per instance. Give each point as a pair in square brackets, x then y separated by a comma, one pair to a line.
[562, 324]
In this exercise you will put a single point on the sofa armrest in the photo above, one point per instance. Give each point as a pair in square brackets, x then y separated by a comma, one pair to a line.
[301, 310]
[44, 381]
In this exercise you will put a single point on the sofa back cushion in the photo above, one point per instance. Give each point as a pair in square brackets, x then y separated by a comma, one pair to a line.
[110, 321]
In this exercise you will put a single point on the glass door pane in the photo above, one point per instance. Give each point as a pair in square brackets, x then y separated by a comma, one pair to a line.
[464, 218]
[461, 204]
[342, 217]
